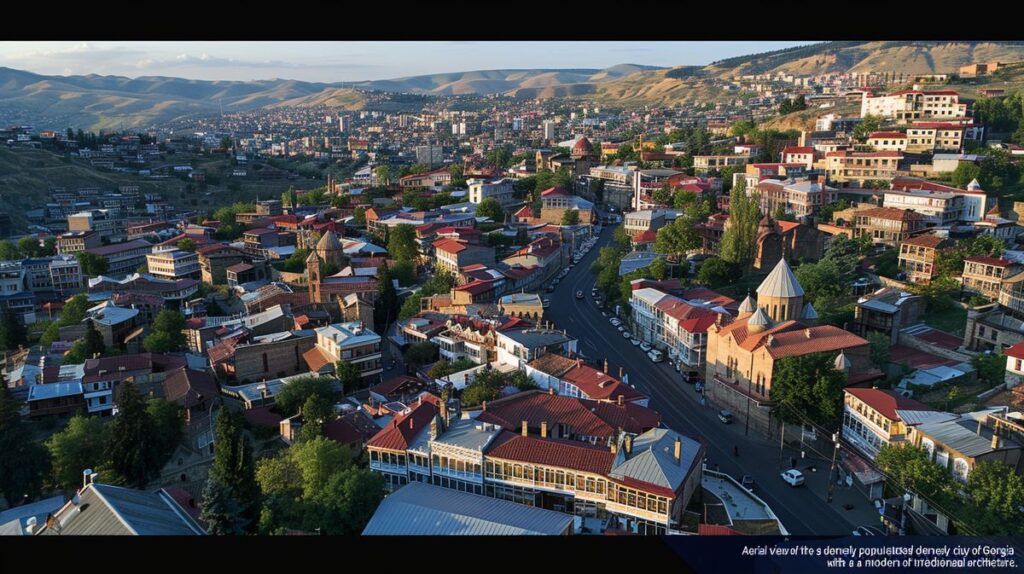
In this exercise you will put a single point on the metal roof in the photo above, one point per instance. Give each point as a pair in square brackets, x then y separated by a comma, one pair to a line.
[781, 282]
[419, 509]
[469, 434]
[104, 509]
[963, 435]
[54, 390]
[653, 459]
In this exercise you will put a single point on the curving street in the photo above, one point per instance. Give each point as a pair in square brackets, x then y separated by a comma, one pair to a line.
[802, 510]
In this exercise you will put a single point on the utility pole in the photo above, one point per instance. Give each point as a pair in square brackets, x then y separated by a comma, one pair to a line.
[832, 469]
[782, 438]
[746, 429]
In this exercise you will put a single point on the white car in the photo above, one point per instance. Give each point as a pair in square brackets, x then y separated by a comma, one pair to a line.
[615, 321]
[793, 477]
[655, 355]
[627, 335]
[646, 346]
[636, 342]
[621, 328]
[546, 303]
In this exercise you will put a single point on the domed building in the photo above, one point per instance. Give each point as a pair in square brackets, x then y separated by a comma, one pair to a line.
[742, 354]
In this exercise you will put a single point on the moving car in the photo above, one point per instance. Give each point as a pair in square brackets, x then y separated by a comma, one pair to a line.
[725, 417]
[655, 356]
[747, 482]
[579, 294]
[793, 477]
[546, 303]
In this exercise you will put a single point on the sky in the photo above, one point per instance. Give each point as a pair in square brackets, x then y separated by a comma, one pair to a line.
[351, 61]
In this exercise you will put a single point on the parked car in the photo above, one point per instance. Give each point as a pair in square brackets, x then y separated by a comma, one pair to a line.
[621, 328]
[655, 356]
[546, 303]
[747, 482]
[793, 477]
[646, 346]
[725, 417]
[635, 342]
[603, 313]
[869, 531]
[627, 335]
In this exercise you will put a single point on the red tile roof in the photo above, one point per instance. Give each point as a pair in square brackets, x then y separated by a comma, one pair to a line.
[553, 191]
[584, 417]
[798, 150]
[890, 213]
[648, 236]
[887, 402]
[402, 430]
[928, 240]
[572, 455]
[691, 318]
[316, 359]
[1016, 351]
[996, 261]
[449, 246]
[890, 135]
[393, 384]
[937, 126]
[189, 387]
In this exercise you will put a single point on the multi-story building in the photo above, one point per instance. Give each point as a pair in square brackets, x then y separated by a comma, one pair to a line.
[438, 177]
[799, 154]
[214, 259]
[452, 255]
[937, 207]
[908, 105]
[572, 378]
[985, 275]
[887, 311]
[75, 241]
[888, 141]
[15, 294]
[65, 275]
[169, 262]
[560, 453]
[265, 357]
[849, 166]
[500, 190]
[876, 417]
[675, 324]
[886, 225]
[352, 343]
[646, 220]
[742, 354]
[123, 258]
[970, 207]
[518, 347]
[917, 257]
[935, 136]
[799, 198]
[555, 202]
[103, 222]
[705, 163]
[113, 323]
[545, 253]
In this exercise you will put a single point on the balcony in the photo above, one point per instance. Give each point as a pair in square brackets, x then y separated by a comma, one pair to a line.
[461, 475]
[388, 467]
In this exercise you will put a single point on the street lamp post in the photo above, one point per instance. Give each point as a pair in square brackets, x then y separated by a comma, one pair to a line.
[746, 430]
[832, 468]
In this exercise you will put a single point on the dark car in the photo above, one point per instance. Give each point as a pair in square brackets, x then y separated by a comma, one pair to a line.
[579, 294]
[725, 417]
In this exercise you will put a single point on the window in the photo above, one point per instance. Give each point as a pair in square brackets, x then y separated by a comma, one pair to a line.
[960, 469]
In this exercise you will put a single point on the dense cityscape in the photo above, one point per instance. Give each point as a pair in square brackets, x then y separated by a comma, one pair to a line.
[793, 308]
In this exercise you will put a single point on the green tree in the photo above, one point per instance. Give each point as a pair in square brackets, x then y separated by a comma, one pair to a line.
[997, 494]
[168, 425]
[291, 398]
[678, 238]
[402, 242]
[879, 344]
[359, 216]
[571, 217]
[93, 341]
[24, 462]
[186, 245]
[92, 265]
[405, 272]
[226, 143]
[491, 208]
[81, 445]
[811, 386]
[820, 280]
[221, 511]
[387, 298]
[865, 127]
[167, 333]
[419, 354]
[8, 252]
[29, 247]
[132, 449]
[12, 332]
[348, 375]
[991, 368]
[739, 241]
[383, 174]
[911, 467]
[316, 412]
[233, 466]
[49, 247]
[715, 272]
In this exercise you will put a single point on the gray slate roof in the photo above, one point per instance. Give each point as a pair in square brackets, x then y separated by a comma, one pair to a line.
[781, 282]
[419, 509]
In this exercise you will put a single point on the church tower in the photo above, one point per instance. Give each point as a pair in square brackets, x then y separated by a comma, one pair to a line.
[330, 250]
[780, 294]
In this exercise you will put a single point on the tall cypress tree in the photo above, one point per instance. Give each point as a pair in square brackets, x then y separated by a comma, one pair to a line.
[23, 462]
[133, 449]
[233, 467]
[221, 512]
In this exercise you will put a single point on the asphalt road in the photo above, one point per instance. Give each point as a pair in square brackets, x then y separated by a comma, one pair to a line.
[801, 510]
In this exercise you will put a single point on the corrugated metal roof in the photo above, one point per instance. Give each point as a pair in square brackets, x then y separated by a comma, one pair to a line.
[653, 459]
[781, 282]
[112, 510]
[962, 435]
[419, 509]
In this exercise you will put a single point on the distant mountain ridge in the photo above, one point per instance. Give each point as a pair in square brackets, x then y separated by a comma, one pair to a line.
[112, 102]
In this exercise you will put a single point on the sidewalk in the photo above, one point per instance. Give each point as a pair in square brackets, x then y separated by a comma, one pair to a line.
[848, 502]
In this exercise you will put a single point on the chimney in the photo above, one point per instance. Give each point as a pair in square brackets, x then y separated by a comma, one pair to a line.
[606, 365]
[628, 444]
[544, 429]
[525, 432]
[615, 449]
[996, 443]
[551, 390]
[978, 431]
[679, 450]
[484, 405]
[578, 362]
[30, 525]
[412, 423]
[620, 373]
[85, 477]
[621, 400]
[807, 333]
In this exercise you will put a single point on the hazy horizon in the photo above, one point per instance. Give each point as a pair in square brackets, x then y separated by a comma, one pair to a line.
[352, 61]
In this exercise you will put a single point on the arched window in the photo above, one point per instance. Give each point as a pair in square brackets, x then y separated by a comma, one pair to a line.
[929, 447]
[960, 469]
